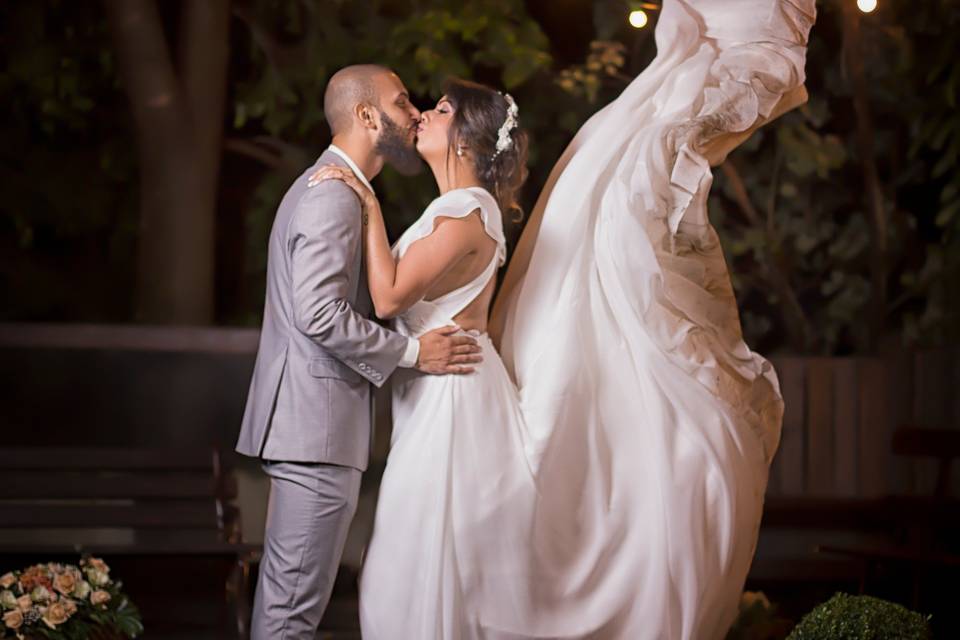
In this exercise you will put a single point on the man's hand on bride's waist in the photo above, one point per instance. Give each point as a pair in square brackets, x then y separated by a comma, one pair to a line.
[443, 352]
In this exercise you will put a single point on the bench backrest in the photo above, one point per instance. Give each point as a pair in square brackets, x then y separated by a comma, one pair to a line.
[87, 488]
[942, 444]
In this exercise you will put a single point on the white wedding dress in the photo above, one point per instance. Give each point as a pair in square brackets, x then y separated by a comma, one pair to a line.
[606, 479]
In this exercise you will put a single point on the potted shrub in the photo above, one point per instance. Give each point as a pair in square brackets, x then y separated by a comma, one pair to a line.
[846, 617]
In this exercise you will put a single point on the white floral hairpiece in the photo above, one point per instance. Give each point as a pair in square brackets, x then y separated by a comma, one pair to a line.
[504, 141]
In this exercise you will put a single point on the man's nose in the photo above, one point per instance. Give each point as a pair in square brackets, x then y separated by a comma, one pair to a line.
[415, 113]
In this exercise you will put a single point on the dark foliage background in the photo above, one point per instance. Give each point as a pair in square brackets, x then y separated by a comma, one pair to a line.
[841, 221]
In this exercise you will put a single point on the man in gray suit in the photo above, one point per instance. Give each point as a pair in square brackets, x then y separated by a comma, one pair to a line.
[308, 410]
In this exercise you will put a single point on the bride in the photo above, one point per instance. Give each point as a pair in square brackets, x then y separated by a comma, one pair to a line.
[605, 479]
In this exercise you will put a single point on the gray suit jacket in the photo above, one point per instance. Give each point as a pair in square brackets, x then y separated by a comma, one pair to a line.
[309, 399]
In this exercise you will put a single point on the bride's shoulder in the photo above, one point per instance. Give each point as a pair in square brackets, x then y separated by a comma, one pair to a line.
[462, 202]
[459, 203]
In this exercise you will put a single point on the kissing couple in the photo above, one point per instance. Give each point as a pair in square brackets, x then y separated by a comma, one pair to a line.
[589, 459]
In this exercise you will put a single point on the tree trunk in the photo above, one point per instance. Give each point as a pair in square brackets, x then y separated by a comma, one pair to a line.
[853, 57]
[178, 120]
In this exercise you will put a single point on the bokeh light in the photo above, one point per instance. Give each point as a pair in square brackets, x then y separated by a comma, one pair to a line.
[638, 18]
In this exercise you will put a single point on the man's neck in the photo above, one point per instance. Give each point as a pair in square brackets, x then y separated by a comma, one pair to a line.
[361, 153]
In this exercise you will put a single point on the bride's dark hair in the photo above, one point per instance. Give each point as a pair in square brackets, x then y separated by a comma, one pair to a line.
[479, 112]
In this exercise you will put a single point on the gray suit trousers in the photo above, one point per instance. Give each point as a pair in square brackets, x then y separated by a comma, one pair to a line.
[309, 514]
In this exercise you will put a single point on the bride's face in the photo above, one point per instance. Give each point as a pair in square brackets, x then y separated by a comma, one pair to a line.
[432, 140]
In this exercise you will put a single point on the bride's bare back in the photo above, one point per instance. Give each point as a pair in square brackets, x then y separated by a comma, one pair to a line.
[482, 250]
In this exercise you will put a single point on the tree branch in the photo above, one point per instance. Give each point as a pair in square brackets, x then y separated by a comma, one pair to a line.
[253, 150]
[272, 152]
[279, 56]
[797, 324]
[740, 192]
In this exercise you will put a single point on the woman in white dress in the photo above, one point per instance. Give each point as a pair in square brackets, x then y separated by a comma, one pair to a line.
[606, 478]
[457, 495]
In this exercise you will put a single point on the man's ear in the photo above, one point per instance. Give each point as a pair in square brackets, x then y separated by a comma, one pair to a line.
[366, 116]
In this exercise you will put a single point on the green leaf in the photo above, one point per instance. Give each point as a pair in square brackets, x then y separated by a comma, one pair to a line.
[946, 215]
[950, 191]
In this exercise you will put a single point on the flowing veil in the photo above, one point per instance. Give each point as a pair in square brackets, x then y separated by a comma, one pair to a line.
[650, 423]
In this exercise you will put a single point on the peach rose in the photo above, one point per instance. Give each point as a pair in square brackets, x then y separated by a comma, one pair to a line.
[98, 564]
[54, 615]
[65, 583]
[99, 597]
[13, 619]
[70, 606]
[7, 580]
[36, 575]
[25, 603]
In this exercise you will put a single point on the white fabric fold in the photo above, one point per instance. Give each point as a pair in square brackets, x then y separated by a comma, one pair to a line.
[616, 491]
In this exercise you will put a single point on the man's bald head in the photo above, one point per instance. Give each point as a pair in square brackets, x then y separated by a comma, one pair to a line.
[347, 88]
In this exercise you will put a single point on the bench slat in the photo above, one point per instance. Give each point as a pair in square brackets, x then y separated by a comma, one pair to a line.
[841, 513]
[205, 547]
[94, 458]
[58, 484]
[164, 515]
[931, 443]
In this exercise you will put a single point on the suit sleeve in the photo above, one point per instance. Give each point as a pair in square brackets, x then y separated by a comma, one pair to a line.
[324, 241]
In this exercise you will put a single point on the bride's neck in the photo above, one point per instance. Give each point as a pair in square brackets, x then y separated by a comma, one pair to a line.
[455, 174]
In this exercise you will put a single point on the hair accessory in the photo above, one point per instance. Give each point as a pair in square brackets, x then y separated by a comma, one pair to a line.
[504, 141]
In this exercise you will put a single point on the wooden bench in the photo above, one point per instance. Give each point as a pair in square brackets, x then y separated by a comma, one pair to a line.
[130, 502]
[850, 537]
[943, 445]
[923, 522]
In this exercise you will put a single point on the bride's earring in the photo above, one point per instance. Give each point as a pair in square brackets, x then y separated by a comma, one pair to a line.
[459, 151]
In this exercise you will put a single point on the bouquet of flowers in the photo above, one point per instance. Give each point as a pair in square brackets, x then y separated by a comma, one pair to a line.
[64, 602]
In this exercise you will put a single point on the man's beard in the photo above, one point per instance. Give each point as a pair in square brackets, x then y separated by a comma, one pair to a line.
[396, 148]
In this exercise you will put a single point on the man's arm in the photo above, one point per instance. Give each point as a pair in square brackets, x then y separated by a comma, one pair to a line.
[324, 243]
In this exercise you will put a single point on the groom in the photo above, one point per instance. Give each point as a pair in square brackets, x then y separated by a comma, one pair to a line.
[308, 409]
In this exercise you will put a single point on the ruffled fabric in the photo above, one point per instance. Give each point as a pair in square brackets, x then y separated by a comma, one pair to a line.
[647, 416]
[458, 203]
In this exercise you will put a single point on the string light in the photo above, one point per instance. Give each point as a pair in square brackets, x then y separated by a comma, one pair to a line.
[866, 5]
[638, 18]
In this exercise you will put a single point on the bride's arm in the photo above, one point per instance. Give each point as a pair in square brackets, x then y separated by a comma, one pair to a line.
[397, 286]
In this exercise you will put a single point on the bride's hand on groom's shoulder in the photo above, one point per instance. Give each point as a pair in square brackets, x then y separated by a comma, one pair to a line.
[442, 352]
[345, 175]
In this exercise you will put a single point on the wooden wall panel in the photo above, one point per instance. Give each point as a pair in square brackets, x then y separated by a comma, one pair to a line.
[820, 427]
[846, 459]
